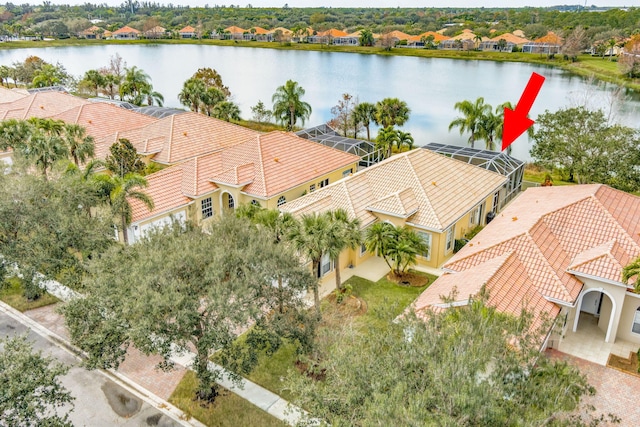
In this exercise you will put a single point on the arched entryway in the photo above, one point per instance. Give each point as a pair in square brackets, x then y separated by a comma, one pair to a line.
[599, 303]
[227, 201]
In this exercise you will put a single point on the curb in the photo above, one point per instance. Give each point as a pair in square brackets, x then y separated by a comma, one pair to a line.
[153, 400]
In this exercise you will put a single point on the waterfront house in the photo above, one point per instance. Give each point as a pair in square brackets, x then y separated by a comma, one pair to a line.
[234, 33]
[549, 44]
[156, 32]
[326, 37]
[187, 32]
[91, 33]
[126, 33]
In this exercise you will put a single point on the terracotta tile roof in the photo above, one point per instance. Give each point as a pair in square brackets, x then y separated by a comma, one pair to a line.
[332, 33]
[399, 35]
[165, 190]
[10, 95]
[183, 136]
[126, 30]
[187, 29]
[278, 161]
[402, 204]
[437, 37]
[550, 38]
[251, 165]
[41, 104]
[102, 119]
[91, 30]
[444, 189]
[552, 233]
[260, 30]
[511, 38]
[284, 31]
[235, 30]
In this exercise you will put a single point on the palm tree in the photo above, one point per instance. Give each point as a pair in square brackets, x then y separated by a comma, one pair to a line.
[226, 110]
[366, 38]
[386, 139]
[473, 113]
[630, 271]
[43, 144]
[477, 39]
[311, 237]
[398, 246]
[48, 75]
[288, 106]
[121, 190]
[611, 44]
[378, 238]
[488, 127]
[364, 113]
[212, 97]
[404, 138]
[192, 94]
[93, 80]
[81, 146]
[390, 112]
[346, 235]
[137, 87]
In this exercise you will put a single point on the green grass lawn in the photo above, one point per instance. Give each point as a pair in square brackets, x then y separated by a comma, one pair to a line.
[379, 297]
[534, 175]
[228, 410]
[12, 295]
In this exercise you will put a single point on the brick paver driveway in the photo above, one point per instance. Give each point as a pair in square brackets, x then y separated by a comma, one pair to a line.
[616, 392]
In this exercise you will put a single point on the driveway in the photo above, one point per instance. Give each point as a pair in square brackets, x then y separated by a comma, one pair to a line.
[99, 401]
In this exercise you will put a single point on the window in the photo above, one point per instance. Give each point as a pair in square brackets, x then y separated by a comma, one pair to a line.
[496, 199]
[281, 201]
[254, 202]
[475, 218]
[363, 249]
[232, 203]
[426, 238]
[312, 188]
[449, 242]
[636, 322]
[323, 183]
[207, 208]
[347, 172]
[325, 265]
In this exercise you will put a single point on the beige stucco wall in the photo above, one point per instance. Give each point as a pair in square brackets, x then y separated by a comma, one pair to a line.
[617, 295]
[631, 304]
[605, 313]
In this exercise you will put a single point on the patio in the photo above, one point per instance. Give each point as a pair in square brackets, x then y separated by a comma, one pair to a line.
[588, 342]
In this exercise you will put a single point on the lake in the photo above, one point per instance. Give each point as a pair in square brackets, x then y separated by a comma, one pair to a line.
[430, 86]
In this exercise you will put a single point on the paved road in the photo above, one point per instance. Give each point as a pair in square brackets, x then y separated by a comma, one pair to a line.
[99, 401]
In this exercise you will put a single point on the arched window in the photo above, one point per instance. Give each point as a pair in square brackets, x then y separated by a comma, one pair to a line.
[636, 322]
[281, 201]
[232, 203]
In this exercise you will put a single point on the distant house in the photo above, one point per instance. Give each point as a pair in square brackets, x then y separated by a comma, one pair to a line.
[187, 32]
[457, 44]
[420, 39]
[126, 33]
[266, 170]
[258, 34]
[156, 32]
[510, 42]
[281, 34]
[91, 33]
[326, 37]
[549, 44]
[234, 33]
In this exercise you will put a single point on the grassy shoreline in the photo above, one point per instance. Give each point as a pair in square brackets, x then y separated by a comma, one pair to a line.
[601, 69]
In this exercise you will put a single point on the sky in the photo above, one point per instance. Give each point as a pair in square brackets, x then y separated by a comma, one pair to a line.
[371, 3]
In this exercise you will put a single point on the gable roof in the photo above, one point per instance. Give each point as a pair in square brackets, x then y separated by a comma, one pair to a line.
[126, 30]
[284, 31]
[441, 190]
[187, 29]
[511, 38]
[10, 95]
[549, 38]
[39, 104]
[259, 30]
[332, 33]
[263, 166]
[182, 136]
[399, 35]
[91, 30]
[554, 233]
[101, 119]
[235, 30]
[437, 37]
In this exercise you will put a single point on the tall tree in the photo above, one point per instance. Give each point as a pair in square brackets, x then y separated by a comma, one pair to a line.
[472, 112]
[346, 234]
[192, 94]
[582, 145]
[288, 106]
[136, 88]
[404, 138]
[211, 78]
[226, 110]
[342, 114]
[32, 393]
[205, 288]
[123, 159]
[43, 144]
[398, 246]
[364, 113]
[92, 82]
[49, 75]
[391, 112]
[80, 145]
[386, 139]
[366, 38]
[311, 237]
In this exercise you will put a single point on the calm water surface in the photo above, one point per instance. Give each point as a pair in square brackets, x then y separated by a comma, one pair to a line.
[430, 86]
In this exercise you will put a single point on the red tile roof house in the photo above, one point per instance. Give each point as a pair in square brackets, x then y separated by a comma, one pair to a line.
[126, 32]
[265, 170]
[187, 32]
[438, 197]
[557, 252]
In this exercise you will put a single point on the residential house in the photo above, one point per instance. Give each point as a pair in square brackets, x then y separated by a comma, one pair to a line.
[40, 104]
[457, 44]
[281, 34]
[557, 252]
[266, 170]
[233, 33]
[187, 32]
[156, 32]
[549, 44]
[509, 43]
[92, 32]
[438, 197]
[352, 39]
[179, 137]
[126, 33]
[326, 37]
[419, 40]
[258, 34]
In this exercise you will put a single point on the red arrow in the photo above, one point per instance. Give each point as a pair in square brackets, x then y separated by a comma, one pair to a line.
[516, 121]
